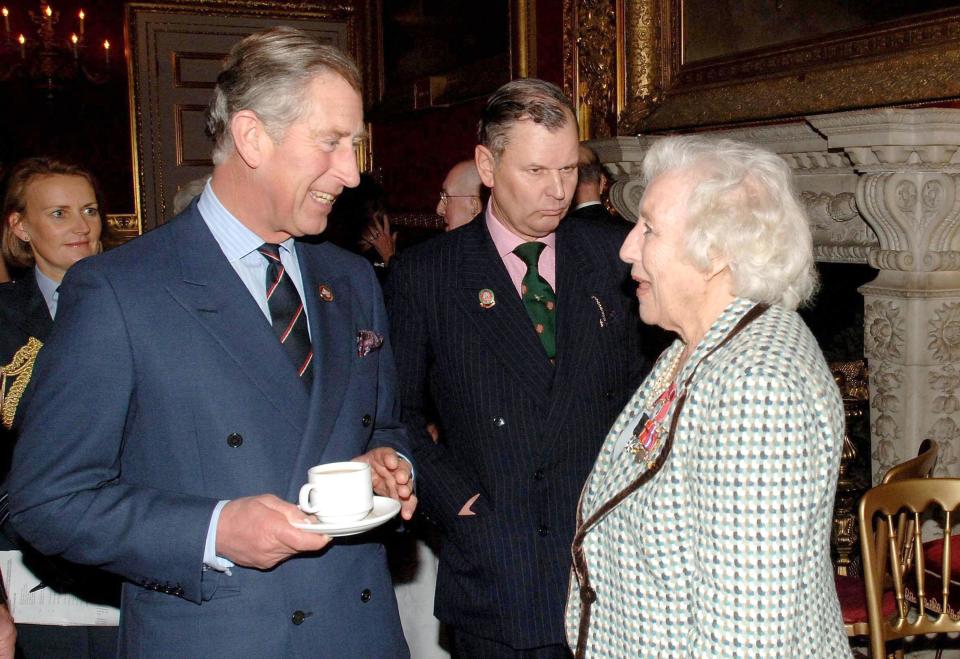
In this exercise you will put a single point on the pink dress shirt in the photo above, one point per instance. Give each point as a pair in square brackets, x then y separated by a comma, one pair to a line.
[506, 241]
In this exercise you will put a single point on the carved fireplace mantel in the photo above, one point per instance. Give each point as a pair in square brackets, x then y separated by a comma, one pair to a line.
[880, 187]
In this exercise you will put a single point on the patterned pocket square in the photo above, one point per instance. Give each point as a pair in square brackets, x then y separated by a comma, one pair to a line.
[368, 341]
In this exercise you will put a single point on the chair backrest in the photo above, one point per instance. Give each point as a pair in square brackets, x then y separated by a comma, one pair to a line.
[912, 501]
[918, 467]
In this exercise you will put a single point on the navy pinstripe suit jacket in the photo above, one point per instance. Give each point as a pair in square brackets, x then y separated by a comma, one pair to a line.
[521, 432]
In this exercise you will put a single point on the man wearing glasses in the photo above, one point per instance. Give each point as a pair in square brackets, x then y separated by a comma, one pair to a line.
[460, 196]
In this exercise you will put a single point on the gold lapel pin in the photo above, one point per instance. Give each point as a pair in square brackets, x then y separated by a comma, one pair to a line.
[487, 298]
[326, 293]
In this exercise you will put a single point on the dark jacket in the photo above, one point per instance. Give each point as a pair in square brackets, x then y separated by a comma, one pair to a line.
[518, 430]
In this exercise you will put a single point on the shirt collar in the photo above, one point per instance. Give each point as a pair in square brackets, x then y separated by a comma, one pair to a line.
[585, 204]
[235, 238]
[505, 240]
[48, 288]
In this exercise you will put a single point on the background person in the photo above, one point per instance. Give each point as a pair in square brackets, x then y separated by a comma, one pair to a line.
[51, 219]
[461, 195]
[704, 527]
[521, 413]
[360, 223]
[178, 402]
[592, 181]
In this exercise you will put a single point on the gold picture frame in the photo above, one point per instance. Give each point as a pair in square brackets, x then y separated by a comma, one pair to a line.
[912, 60]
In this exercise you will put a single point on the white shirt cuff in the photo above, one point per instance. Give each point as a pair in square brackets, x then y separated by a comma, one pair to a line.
[210, 559]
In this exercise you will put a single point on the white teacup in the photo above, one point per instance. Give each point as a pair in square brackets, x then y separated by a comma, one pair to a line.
[338, 492]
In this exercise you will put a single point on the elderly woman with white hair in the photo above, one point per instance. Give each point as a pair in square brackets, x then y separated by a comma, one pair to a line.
[704, 527]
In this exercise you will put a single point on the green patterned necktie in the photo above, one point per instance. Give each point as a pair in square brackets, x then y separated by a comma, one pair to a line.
[538, 297]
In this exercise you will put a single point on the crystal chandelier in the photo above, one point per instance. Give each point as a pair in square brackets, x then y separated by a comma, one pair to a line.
[37, 51]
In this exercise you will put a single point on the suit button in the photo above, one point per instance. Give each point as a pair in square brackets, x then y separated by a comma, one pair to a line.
[365, 595]
[588, 595]
[366, 420]
[499, 422]
[538, 475]
[608, 395]
[234, 440]
[298, 617]
[543, 530]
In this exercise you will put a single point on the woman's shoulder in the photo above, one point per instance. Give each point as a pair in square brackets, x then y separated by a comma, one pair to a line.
[777, 345]
[15, 296]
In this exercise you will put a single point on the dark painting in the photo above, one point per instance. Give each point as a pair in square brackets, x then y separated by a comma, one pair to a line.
[722, 28]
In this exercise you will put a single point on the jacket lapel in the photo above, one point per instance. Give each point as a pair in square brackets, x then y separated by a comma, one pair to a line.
[332, 333]
[36, 321]
[578, 323]
[504, 327]
[214, 295]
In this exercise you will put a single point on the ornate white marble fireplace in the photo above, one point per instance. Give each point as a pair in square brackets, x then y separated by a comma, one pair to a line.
[881, 187]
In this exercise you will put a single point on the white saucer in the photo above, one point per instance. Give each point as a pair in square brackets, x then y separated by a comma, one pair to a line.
[384, 508]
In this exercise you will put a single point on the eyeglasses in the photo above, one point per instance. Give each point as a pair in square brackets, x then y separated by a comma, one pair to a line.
[444, 197]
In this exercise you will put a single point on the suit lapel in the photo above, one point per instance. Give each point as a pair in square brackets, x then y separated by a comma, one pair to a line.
[36, 320]
[214, 295]
[578, 323]
[333, 336]
[504, 327]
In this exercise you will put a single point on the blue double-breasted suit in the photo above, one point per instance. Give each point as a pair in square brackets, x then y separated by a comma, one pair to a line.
[163, 390]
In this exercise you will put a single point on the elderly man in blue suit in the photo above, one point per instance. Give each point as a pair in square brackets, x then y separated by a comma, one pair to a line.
[194, 376]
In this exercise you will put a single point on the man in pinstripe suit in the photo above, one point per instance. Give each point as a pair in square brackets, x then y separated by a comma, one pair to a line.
[523, 394]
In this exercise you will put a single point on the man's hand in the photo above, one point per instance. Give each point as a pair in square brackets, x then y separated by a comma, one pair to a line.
[391, 478]
[8, 634]
[257, 532]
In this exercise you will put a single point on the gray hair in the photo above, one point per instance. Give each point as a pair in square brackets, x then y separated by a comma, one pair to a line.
[268, 73]
[743, 209]
[527, 98]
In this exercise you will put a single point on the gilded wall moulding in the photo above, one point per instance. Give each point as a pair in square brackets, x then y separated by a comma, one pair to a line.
[596, 75]
[871, 66]
[885, 331]
[642, 56]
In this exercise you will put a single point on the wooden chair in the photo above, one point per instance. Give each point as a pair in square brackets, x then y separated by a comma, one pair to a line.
[852, 590]
[896, 561]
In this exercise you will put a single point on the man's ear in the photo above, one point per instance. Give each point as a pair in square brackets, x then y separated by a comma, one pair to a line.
[249, 137]
[485, 161]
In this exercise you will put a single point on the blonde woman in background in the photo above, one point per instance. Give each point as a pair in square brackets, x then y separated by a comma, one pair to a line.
[51, 219]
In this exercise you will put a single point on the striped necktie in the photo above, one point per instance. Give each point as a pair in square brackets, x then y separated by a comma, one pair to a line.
[287, 313]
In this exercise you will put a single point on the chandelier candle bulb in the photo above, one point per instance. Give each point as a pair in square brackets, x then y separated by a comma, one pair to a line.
[6, 20]
[74, 40]
[81, 16]
[106, 51]
[23, 51]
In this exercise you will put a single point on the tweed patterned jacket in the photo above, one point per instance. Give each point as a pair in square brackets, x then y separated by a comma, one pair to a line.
[725, 552]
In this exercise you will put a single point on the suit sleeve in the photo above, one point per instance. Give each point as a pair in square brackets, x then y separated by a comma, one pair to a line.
[443, 484]
[68, 496]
